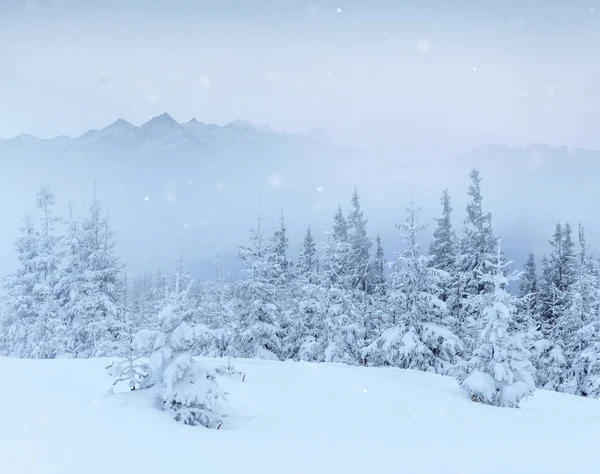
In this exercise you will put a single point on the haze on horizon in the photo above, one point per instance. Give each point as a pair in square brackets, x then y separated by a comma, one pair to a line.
[391, 74]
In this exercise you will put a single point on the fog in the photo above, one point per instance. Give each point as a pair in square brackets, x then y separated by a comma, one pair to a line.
[402, 92]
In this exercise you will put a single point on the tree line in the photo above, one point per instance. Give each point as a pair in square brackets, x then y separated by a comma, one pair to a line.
[447, 310]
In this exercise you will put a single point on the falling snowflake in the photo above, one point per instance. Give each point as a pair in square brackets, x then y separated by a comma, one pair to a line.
[320, 189]
[364, 390]
[329, 74]
[276, 180]
[146, 198]
[423, 46]
[185, 224]
[205, 82]
[339, 10]
[474, 69]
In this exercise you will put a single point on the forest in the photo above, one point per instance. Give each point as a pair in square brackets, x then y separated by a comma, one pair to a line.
[456, 309]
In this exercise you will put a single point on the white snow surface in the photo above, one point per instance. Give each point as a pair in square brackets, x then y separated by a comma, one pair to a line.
[56, 417]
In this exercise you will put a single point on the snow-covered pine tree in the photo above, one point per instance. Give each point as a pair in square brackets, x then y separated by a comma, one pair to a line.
[278, 247]
[476, 247]
[133, 368]
[377, 270]
[377, 311]
[307, 265]
[304, 335]
[528, 292]
[443, 253]
[186, 389]
[91, 286]
[48, 336]
[342, 330]
[443, 247]
[576, 328]
[360, 245]
[418, 340]
[281, 275]
[557, 276]
[499, 371]
[257, 330]
[335, 268]
[217, 313]
[20, 310]
[32, 323]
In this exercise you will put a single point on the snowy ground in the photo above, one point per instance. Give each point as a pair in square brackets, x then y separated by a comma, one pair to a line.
[55, 417]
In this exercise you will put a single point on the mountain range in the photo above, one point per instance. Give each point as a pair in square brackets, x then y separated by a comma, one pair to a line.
[165, 132]
[165, 181]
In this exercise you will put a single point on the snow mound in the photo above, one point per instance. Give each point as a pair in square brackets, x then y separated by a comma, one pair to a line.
[297, 418]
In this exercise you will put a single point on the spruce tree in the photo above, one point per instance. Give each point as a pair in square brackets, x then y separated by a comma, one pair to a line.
[21, 310]
[92, 287]
[33, 326]
[342, 330]
[499, 372]
[476, 249]
[360, 245]
[307, 260]
[528, 288]
[183, 387]
[418, 340]
[377, 271]
[258, 333]
[303, 338]
[443, 247]
[576, 327]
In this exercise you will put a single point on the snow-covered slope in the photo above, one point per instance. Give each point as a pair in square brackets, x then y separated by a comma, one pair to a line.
[287, 418]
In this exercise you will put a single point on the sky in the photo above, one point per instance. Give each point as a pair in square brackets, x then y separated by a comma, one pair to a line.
[377, 75]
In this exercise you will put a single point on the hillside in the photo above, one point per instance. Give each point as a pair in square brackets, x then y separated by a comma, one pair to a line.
[287, 417]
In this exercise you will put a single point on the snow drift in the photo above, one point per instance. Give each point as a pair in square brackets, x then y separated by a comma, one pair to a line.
[286, 417]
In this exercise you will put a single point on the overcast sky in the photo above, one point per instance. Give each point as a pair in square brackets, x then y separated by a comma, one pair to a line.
[370, 73]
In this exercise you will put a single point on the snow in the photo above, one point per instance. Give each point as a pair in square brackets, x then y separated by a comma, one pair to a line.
[290, 417]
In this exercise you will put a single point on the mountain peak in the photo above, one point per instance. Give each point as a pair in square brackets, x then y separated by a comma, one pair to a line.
[120, 124]
[162, 120]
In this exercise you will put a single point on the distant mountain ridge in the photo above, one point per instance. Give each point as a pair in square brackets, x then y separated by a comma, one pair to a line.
[208, 182]
[164, 131]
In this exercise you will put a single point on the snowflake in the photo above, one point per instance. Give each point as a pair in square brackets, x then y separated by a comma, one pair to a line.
[146, 198]
[276, 180]
[205, 82]
[423, 46]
